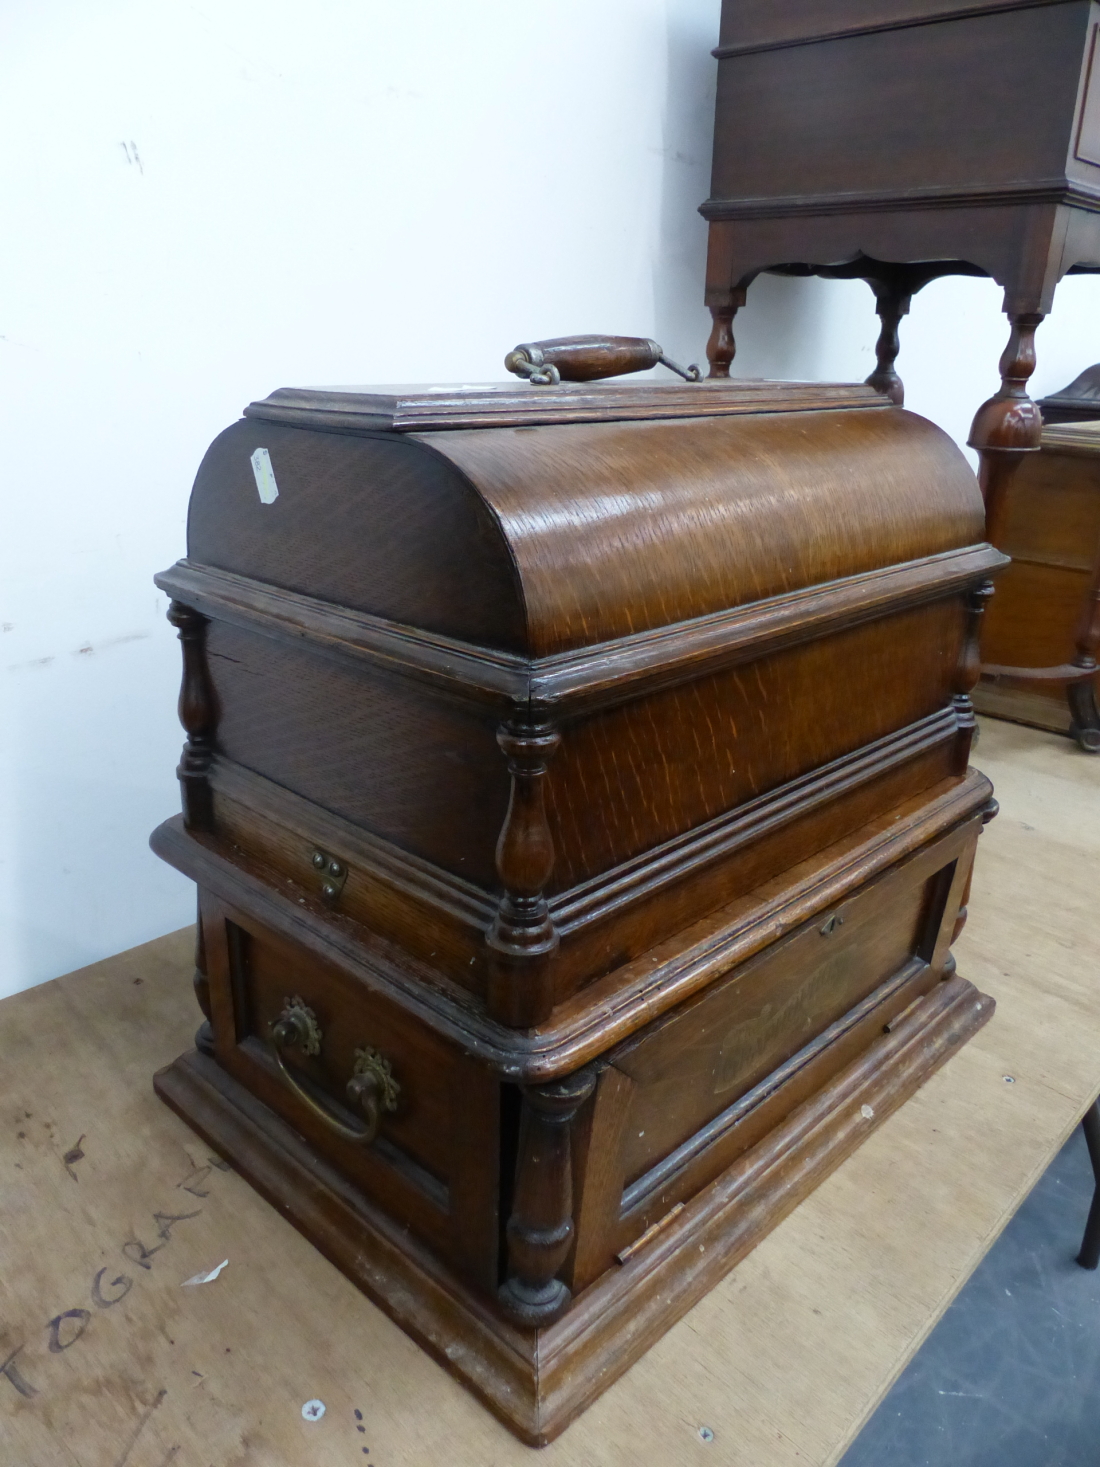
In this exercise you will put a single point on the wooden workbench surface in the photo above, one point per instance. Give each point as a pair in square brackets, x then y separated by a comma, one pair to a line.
[108, 1203]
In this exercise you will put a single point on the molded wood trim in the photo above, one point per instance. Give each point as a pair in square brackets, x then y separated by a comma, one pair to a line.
[446, 892]
[511, 404]
[626, 1310]
[736, 828]
[614, 1007]
[1079, 440]
[667, 1168]
[593, 900]
[594, 677]
[537, 1381]
[1052, 191]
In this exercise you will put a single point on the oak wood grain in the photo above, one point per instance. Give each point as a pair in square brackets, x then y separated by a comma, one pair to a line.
[611, 1008]
[783, 1360]
[538, 1387]
[521, 977]
[590, 677]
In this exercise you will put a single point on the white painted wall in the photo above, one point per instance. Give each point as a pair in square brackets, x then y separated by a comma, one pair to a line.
[205, 202]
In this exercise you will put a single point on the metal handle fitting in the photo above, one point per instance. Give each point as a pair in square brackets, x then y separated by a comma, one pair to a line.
[371, 1089]
[589, 358]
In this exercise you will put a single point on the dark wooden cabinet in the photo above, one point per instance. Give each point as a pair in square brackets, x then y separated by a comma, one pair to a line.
[577, 789]
[901, 140]
[1042, 632]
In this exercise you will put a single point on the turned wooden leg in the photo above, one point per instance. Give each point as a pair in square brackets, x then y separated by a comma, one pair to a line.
[540, 1229]
[1009, 425]
[1084, 715]
[891, 304]
[204, 1035]
[1006, 428]
[522, 938]
[721, 347]
[197, 714]
[967, 673]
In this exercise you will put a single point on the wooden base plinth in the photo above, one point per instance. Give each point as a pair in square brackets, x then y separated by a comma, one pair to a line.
[1038, 709]
[1046, 708]
[537, 1381]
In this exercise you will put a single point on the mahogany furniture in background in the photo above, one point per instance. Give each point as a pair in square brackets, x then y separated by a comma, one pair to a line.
[582, 818]
[1046, 614]
[901, 140]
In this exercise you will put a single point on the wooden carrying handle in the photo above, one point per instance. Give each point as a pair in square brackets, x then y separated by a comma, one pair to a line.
[371, 1088]
[587, 358]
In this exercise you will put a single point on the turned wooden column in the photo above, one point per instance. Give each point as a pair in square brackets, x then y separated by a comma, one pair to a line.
[967, 672]
[891, 304]
[540, 1228]
[1010, 424]
[522, 938]
[198, 715]
[721, 346]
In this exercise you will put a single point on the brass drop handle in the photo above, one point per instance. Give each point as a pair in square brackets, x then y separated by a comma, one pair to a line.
[371, 1089]
[588, 358]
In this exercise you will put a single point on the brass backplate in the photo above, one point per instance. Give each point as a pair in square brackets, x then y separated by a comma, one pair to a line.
[332, 872]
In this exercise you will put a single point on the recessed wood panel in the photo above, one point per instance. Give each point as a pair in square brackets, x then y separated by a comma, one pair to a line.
[931, 106]
[1052, 511]
[1031, 620]
[700, 1061]
[422, 1167]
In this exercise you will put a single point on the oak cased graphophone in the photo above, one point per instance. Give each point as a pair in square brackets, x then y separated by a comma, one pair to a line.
[577, 788]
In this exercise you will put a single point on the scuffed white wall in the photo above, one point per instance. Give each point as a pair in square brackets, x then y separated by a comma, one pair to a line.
[205, 202]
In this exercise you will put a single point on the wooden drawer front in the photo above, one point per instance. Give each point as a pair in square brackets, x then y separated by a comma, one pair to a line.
[703, 1058]
[679, 1104]
[435, 1162]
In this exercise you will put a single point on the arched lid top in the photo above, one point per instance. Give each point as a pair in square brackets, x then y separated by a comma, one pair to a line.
[545, 535]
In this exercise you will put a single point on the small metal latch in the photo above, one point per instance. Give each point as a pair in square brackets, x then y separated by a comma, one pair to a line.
[333, 873]
[832, 924]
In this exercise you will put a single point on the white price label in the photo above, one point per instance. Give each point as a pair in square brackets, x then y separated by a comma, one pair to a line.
[264, 475]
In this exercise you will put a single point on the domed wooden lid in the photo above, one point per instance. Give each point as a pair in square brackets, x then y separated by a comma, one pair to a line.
[539, 521]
